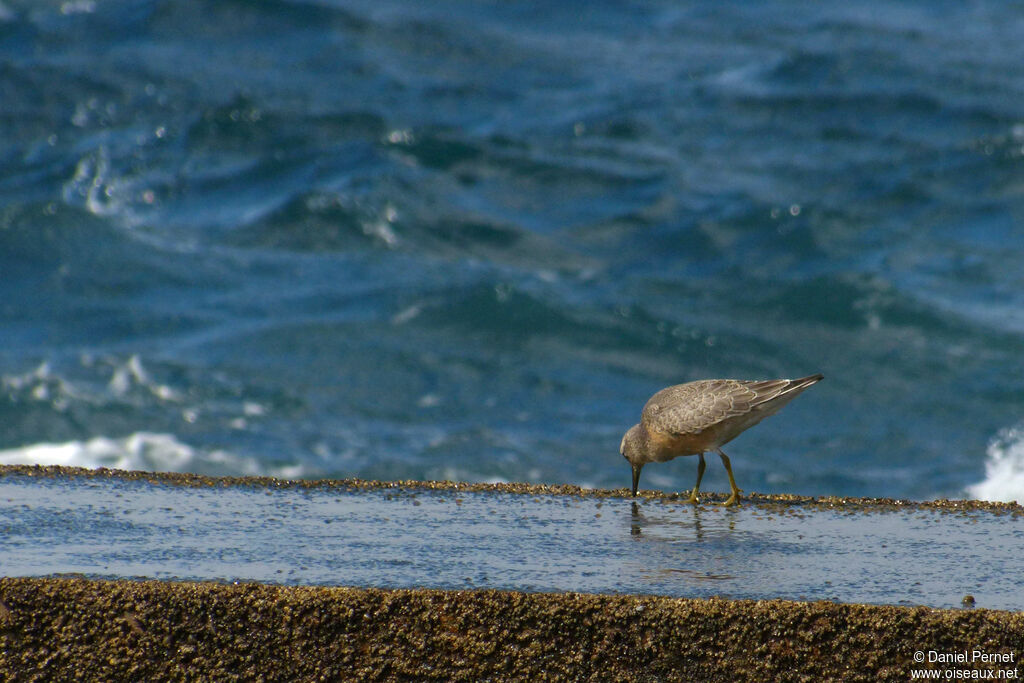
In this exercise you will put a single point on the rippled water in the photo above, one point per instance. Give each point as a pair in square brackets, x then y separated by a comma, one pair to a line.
[467, 240]
[453, 540]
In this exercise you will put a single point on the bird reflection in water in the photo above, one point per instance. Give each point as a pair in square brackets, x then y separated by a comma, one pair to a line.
[634, 522]
[637, 521]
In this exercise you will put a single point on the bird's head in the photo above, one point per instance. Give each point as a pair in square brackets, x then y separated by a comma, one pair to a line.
[630, 446]
[631, 451]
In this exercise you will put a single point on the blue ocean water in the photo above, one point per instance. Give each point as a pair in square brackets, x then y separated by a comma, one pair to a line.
[467, 240]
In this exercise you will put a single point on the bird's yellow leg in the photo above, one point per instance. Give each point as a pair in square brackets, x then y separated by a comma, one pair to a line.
[734, 499]
[700, 475]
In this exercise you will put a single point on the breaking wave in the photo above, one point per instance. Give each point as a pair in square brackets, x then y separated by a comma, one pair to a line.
[143, 451]
[1004, 469]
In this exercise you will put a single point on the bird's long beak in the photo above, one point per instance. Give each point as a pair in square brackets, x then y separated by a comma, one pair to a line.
[636, 478]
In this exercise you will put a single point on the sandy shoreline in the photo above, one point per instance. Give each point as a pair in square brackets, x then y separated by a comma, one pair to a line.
[65, 628]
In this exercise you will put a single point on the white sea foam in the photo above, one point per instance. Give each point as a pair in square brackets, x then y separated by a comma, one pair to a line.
[131, 374]
[143, 451]
[128, 377]
[1004, 469]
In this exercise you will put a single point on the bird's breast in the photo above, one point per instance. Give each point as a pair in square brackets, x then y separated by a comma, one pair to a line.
[666, 446]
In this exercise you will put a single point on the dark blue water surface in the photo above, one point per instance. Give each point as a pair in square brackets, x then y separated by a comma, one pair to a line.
[467, 240]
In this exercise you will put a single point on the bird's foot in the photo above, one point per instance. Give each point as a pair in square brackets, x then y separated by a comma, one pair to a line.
[734, 499]
[693, 499]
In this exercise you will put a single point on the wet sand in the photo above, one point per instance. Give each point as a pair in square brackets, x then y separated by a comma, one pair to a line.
[68, 629]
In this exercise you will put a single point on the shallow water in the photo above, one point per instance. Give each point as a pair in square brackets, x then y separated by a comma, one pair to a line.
[400, 538]
[467, 240]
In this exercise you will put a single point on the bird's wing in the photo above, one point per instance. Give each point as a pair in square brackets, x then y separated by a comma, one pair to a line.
[691, 408]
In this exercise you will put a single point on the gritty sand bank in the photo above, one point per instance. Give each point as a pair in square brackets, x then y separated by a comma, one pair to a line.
[75, 629]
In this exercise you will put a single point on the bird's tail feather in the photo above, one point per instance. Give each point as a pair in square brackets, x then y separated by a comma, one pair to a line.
[772, 394]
